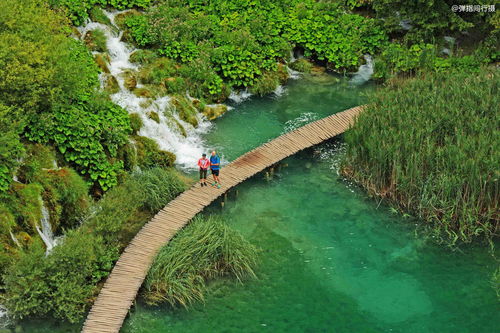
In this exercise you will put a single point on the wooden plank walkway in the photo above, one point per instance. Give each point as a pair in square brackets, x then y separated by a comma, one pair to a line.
[121, 287]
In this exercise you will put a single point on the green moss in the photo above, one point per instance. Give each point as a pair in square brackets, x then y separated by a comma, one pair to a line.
[95, 40]
[175, 85]
[185, 109]
[154, 116]
[174, 122]
[37, 157]
[66, 194]
[149, 154]
[7, 221]
[127, 153]
[97, 15]
[282, 72]
[143, 57]
[302, 65]
[135, 122]
[266, 83]
[27, 205]
[157, 71]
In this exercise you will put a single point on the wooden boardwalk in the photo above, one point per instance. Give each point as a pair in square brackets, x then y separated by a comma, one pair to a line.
[121, 287]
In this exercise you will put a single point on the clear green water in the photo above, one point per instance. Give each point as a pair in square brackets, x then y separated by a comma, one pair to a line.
[331, 259]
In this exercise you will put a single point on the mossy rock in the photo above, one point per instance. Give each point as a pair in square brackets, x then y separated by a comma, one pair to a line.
[266, 83]
[135, 122]
[318, 70]
[95, 40]
[111, 85]
[302, 65]
[282, 72]
[96, 14]
[185, 109]
[122, 17]
[102, 61]
[143, 92]
[128, 154]
[130, 79]
[150, 155]
[157, 71]
[154, 116]
[214, 111]
[143, 57]
[174, 122]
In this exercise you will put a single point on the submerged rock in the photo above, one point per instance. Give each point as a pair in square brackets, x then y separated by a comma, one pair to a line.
[154, 116]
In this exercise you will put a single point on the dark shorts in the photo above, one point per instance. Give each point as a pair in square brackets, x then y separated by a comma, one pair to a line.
[203, 173]
[215, 172]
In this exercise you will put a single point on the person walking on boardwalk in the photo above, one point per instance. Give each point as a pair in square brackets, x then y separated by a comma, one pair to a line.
[203, 163]
[215, 168]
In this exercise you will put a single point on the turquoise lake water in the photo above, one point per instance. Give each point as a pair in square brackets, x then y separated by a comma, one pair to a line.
[331, 259]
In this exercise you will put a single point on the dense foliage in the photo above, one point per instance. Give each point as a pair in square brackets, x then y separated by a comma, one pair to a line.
[238, 42]
[63, 284]
[205, 249]
[44, 101]
[430, 147]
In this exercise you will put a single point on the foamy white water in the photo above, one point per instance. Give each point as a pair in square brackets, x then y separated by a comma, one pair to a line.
[364, 72]
[166, 133]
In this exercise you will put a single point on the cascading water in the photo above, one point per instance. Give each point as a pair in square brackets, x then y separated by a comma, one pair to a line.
[45, 232]
[364, 72]
[187, 146]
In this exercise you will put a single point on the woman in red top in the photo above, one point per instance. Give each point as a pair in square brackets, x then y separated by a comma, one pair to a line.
[204, 164]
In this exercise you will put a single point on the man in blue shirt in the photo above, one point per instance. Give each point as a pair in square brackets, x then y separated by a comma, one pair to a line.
[215, 168]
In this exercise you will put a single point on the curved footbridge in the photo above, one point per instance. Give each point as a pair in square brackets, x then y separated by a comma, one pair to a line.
[121, 287]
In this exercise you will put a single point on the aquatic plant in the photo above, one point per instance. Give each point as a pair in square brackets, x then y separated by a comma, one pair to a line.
[205, 249]
[430, 147]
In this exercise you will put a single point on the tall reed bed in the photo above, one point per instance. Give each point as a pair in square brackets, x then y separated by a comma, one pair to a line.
[431, 146]
[207, 248]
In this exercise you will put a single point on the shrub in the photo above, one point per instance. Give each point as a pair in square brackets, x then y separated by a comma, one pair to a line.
[143, 57]
[37, 285]
[37, 157]
[27, 205]
[431, 148]
[207, 248]
[11, 149]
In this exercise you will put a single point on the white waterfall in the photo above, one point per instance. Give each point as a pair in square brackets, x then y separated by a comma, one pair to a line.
[364, 72]
[166, 133]
[45, 232]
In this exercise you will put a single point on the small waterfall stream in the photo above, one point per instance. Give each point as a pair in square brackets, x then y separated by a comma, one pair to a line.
[45, 231]
[166, 133]
[364, 72]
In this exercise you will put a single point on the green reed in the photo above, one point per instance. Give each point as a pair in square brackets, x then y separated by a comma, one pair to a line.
[431, 146]
[207, 248]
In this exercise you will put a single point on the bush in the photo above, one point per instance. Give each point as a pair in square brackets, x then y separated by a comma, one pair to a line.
[207, 248]
[38, 157]
[427, 147]
[37, 285]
